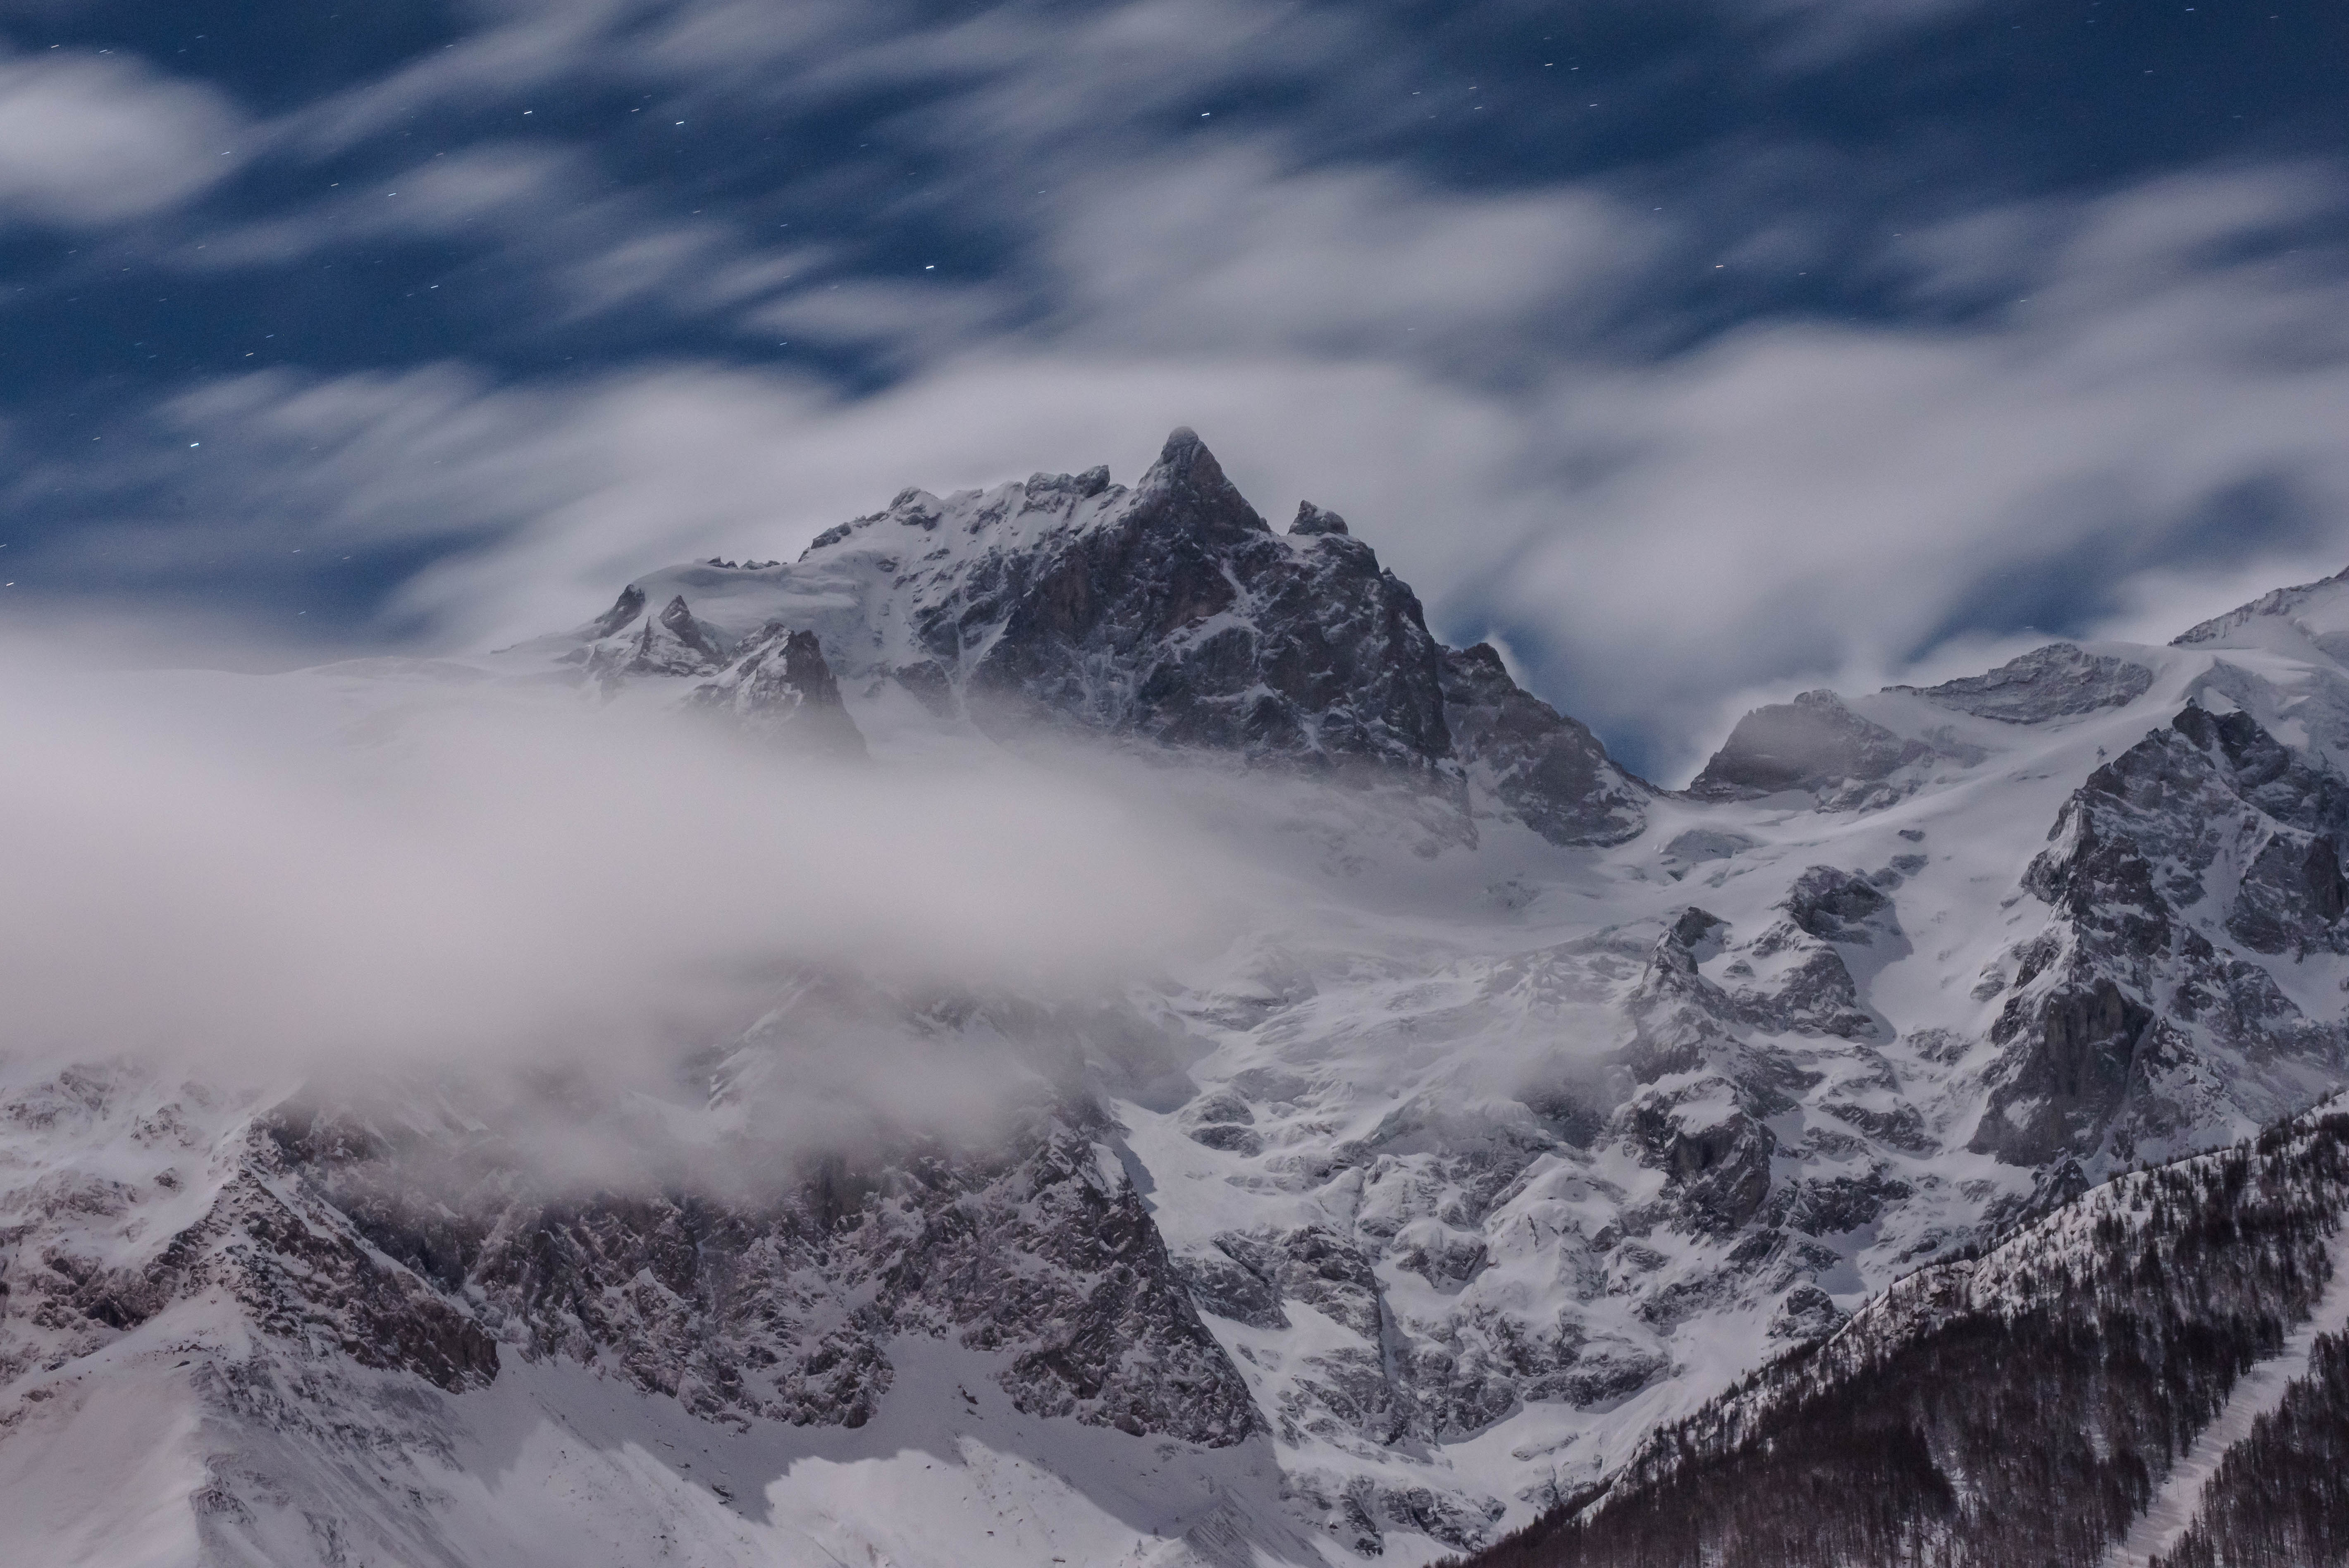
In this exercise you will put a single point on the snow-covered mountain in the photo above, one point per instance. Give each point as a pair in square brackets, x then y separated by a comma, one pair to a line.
[1522, 1108]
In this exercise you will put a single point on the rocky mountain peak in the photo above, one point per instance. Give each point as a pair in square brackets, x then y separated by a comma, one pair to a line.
[1815, 744]
[1190, 484]
[677, 620]
[1312, 521]
[2057, 681]
[1170, 614]
[1467, 1140]
[622, 613]
[780, 685]
[2282, 609]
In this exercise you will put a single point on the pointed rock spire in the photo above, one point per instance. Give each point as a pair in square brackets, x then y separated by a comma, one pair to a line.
[675, 644]
[1187, 479]
[781, 686]
[625, 609]
[679, 623]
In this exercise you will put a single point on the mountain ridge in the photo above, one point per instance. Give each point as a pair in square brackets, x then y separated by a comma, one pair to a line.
[1524, 1108]
[1171, 613]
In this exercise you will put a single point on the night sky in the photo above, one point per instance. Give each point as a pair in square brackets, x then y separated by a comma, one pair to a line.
[1697, 352]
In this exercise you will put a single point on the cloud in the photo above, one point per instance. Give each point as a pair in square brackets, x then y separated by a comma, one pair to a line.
[522, 47]
[493, 188]
[1816, 34]
[1229, 249]
[299, 874]
[1797, 502]
[89, 140]
[1662, 542]
[539, 211]
[537, 502]
[1522, 394]
[911, 321]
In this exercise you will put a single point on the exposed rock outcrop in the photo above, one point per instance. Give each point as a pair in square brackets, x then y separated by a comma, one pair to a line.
[1813, 744]
[2059, 681]
[780, 685]
[1171, 613]
[2125, 1017]
[1547, 769]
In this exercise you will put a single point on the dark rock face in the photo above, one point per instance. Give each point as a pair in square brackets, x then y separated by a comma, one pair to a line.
[1832, 1205]
[2266, 773]
[1186, 619]
[1329, 1274]
[623, 613]
[780, 685]
[1357, 1512]
[674, 643]
[1170, 614]
[785, 1310]
[1720, 1170]
[1234, 1281]
[2115, 1006]
[310, 1288]
[1836, 906]
[2067, 1086]
[1312, 520]
[1716, 1060]
[1813, 744]
[299, 1270]
[1697, 846]
[1549, 770]
[2293, 895]
[1806, 1315]
[2057, 681]
[772, 1287]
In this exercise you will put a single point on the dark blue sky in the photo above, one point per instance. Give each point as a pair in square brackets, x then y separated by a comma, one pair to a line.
[1698, 350]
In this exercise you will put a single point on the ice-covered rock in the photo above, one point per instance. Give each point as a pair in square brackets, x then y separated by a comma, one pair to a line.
[1170, 614]
[2057, 681]
[1547, 769]
[1813, 744]
[779, 685]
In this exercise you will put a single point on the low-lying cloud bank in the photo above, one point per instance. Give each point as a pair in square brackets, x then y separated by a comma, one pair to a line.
[328, 876]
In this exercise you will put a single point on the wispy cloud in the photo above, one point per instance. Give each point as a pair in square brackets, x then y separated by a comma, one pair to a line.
[1685, 419]
[89, 140]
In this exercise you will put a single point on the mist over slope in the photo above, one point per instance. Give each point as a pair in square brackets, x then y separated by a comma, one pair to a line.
[1066, 1012]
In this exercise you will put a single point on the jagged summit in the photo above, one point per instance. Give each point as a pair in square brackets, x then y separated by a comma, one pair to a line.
[779, 685]
[2317, 613]
[1814, 745]
[1171, 613]
[1192, 482]
[2059, 681]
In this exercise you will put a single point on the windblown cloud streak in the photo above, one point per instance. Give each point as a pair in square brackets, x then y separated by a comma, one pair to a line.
[1689, 416]
[1663, 544]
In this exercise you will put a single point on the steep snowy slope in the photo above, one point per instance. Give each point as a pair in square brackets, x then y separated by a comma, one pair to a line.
[1522, 1108]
